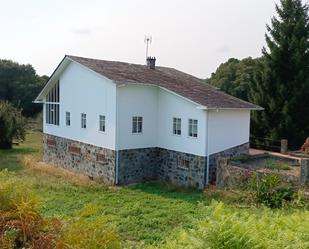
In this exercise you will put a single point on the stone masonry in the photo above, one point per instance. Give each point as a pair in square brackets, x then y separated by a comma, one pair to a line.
[181, 169]
[235, 151]
[137, 165]
[134, 165]
[304, 171]
[80, 157]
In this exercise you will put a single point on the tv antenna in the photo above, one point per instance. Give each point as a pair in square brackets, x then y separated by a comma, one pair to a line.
[147, 40]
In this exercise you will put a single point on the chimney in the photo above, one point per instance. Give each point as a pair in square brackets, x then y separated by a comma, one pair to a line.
[151, 62]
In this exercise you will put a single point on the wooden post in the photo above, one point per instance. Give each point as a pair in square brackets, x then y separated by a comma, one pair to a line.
[284, 146]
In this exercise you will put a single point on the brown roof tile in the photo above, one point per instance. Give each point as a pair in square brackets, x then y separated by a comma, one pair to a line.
[181, 83]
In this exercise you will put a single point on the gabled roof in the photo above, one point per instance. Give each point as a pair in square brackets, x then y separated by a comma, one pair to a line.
[171, 79]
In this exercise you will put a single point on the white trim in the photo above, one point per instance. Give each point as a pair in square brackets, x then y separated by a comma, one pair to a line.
[160, 87]
[50, 79]
[197, 129]
[179, 135]
[116, 141]
[65, 59]
[220, 108]
[122, 84]
[52, 103]
[199, 106]
[207, 150]
[89, 69]
[189, 100]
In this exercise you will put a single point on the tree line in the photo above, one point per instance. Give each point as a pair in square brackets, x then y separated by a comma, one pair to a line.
[19, 85]
[278, 80]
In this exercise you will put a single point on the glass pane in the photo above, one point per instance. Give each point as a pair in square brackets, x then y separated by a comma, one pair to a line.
[134, 127]
[140, 126]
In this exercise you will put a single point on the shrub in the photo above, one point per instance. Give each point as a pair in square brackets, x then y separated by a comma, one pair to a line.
[227, 228]
[21, 224]
[12, 125]
[270, 191]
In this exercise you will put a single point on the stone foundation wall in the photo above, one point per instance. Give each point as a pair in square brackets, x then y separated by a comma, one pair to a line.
[181, 169]
[134, 165]
[80, 157]
[137, 165]
[235, 151]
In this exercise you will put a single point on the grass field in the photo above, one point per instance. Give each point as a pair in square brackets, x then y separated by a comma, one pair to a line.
[145, 215]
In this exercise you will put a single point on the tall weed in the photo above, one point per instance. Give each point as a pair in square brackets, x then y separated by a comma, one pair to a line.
[227, 228]
[22, 225]
[270, 191]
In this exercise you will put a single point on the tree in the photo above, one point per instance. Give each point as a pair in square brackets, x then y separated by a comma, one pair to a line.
[281, 84]
[12, 125]
[235, 76]
[19, 84]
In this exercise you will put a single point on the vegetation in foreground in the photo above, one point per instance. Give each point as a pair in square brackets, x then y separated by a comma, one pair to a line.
[12, 125]
[151, 215]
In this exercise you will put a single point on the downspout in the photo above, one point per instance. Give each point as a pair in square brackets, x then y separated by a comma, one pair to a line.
[116, 140]
[207, 149]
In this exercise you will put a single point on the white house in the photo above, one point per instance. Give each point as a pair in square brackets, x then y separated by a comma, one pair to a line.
[127, 123]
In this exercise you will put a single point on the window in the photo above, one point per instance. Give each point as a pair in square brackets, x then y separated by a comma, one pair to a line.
[177, 126]
[183, 163]
[51, 142]
[192, 127]
[137, 125]
[83, 121]
[52, 105]
[74, 149]
[100, 157]
[102, 123]
[67, 119]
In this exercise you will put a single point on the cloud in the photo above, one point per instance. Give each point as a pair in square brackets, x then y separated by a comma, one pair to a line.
[224, 49]
[81, 31]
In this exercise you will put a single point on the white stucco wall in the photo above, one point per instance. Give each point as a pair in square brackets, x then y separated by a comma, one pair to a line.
[157, 107]
[171, 106]
[228, 128]
[83, 91]
[137, 100]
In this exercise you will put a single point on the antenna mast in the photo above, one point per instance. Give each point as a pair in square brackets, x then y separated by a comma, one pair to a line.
[147, 40]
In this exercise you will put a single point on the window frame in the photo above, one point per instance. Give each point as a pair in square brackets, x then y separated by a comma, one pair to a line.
[176, 126]
[67, 118]
[183, 163]
[139, 125]
[52, 106]
[191, 126]
[83, 118]
[104, 123]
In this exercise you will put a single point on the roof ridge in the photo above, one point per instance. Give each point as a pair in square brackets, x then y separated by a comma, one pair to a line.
[184, 84]
[123, 62]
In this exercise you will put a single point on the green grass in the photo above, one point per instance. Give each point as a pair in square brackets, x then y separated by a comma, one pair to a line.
[144, 214]
[11, 159]
[276, 165]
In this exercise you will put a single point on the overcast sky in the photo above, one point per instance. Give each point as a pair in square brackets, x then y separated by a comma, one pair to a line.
[193, 36]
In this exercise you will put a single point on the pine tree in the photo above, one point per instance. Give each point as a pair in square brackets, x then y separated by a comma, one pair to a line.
[281, 85]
